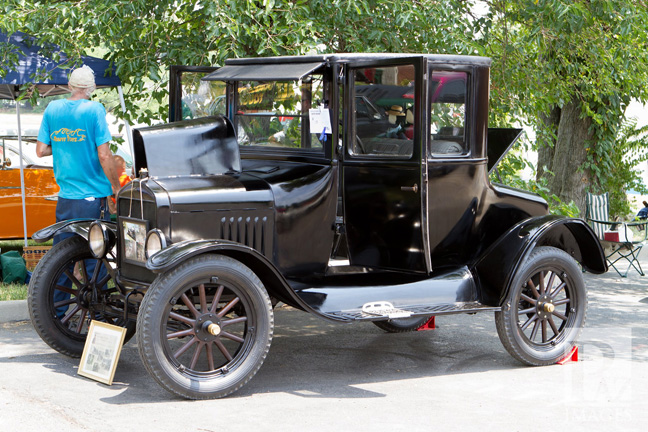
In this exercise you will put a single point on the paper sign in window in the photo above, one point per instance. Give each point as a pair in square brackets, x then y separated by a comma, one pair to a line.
[320, 120]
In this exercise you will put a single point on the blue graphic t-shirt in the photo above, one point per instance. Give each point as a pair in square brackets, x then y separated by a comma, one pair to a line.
[74, 129]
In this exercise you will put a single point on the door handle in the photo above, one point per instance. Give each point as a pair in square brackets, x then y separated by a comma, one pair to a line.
[414, 188]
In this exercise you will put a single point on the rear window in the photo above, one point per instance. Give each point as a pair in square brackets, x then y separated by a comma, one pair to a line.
[448, 113]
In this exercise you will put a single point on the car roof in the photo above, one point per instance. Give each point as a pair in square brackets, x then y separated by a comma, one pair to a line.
[349, 57]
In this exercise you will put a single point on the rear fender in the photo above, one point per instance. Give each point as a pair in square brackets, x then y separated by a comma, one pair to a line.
[79, 227]
[273, 280]
[496, 268]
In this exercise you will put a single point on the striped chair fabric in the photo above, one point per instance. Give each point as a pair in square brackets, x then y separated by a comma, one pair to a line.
[598, 208]
[625, 249]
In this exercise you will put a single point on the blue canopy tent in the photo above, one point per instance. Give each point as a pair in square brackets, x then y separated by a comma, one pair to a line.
[36, 66]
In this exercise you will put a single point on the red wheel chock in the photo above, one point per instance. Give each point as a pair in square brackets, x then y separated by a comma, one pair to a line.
[571, 357]
[429, 325]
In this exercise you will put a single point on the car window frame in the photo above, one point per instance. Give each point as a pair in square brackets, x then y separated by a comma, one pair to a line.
[419, 96]
[317, 154]
[468, 151]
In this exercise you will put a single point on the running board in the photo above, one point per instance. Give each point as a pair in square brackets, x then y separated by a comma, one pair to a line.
[411, 311]
[383, 296]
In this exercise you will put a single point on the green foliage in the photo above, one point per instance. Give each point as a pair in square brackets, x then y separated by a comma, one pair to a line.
[144, 37]
[630, 149]
[549, 53]
[509, 173]
[546, 53]
[556, 205]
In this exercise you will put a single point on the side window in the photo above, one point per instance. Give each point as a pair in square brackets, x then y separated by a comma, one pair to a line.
[275, 113]
[383, 108]
[201, 98]
[448, 113]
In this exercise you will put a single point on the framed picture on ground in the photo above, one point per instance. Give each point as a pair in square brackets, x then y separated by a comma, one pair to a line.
[101, 351]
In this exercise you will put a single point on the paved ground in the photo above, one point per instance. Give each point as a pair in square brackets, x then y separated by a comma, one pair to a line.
[327, 377]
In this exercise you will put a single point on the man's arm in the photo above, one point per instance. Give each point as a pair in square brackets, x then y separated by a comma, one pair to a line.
[108, 165]
[43, 149]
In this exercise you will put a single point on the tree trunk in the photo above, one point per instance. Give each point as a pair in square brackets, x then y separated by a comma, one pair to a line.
[546, 139]
[570, 182]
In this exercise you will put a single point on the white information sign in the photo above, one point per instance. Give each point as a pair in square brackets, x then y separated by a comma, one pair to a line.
[320, 120]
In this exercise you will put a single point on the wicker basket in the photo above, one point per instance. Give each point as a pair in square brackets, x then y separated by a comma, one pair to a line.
[33, 254]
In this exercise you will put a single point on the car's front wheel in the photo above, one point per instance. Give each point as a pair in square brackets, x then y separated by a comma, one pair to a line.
[206, 327]
[69, 289]
[545, 309]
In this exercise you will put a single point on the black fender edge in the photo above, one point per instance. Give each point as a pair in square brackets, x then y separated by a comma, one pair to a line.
[497, 266]
[273, 280]
[79, 227]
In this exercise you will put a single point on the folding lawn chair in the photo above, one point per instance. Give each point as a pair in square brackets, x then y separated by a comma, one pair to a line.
[617, 238]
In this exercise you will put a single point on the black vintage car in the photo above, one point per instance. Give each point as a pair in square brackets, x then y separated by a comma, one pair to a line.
[290, 195]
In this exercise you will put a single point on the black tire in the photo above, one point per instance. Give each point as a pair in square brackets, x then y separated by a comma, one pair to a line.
[174, 340]
[545, 310]
[64, 324]
[401, 325]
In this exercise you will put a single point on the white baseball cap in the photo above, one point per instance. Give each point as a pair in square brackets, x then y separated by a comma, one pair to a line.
[82, 77]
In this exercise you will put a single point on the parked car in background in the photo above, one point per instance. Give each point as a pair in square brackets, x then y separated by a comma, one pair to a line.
[346, 216]
[41, 191]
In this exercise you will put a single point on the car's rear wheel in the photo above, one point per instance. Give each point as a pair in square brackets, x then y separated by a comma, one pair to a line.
[545, 309]
[69, 288]
[206, 327]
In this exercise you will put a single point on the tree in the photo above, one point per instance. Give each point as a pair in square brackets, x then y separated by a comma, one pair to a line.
[144, 37]
[571, 67]
[567, 67]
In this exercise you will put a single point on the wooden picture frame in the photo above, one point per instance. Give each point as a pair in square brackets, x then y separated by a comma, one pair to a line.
[101, 351]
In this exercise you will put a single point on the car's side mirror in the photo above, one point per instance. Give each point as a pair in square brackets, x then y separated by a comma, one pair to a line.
[6, 162]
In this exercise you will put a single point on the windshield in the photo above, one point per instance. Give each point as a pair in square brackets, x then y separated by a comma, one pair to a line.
[201, 98]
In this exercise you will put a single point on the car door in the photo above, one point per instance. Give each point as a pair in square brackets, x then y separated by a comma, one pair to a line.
[381, 166]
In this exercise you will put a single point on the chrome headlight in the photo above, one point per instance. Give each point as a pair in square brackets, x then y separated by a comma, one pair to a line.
[98, 240]
[155, 242]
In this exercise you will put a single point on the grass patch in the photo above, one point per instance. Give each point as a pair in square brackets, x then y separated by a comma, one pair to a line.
[17, 245]
[13, 291]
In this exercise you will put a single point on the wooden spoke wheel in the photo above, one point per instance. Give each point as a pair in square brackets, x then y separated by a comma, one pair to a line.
[206, 327]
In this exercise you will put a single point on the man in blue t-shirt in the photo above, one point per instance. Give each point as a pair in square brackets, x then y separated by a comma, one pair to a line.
[75, 132]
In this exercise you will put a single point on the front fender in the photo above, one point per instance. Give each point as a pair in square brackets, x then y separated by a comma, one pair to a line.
[499, 263]
[273, 280]
[79, 227]
[179, 252]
